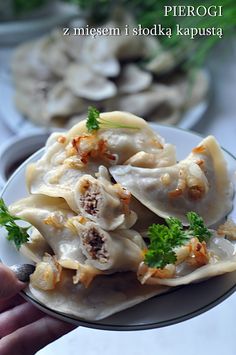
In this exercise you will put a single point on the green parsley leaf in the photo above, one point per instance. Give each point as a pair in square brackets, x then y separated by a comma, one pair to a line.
[94, 121]
[197, 227]
[165, 238]
[18, 235]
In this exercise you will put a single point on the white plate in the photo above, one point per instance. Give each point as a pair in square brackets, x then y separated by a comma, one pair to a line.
[17, 122]
[176, 306]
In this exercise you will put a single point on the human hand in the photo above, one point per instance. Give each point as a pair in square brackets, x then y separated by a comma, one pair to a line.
[24, 329]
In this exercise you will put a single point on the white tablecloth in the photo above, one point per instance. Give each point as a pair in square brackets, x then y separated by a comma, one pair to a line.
[213, 332]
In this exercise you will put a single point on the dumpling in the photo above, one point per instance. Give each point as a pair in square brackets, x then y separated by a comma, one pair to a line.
[159, 102]
[78, 243]
[200, 183]
[69, 156]
[28, 55]
[133, 79]
[105, 203]
[120, 250]
[99, 200]
[51, 217]
[195, 262]
[105, 296]
[83, 82]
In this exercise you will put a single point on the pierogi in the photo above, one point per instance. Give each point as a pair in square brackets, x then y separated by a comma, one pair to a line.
[198, 183]
[95, 193]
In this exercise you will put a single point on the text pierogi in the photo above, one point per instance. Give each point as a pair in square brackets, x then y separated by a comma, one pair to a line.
[97, 199]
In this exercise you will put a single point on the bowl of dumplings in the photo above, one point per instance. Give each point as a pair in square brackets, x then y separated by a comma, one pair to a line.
[127, 223]
[63, 75]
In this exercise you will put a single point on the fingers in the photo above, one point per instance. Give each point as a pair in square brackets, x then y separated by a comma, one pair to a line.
[33, 337]
[10, 303]
[10, 284]
[18, 317]
[20, 335]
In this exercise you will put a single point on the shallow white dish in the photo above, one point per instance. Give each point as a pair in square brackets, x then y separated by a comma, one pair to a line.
[18, 122]
[166, 309]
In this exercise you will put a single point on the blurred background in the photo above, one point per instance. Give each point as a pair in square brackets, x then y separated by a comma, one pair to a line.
[48, 80]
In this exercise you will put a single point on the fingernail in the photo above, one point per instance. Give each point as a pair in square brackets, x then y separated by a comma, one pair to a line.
[23, 271]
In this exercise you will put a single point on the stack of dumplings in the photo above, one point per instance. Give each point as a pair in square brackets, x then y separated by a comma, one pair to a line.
[93, 195]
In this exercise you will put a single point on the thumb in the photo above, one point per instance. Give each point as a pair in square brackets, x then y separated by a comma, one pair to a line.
[9, 284]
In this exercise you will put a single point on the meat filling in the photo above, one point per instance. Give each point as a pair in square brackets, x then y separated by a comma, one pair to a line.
[95, 245]
[90, 199]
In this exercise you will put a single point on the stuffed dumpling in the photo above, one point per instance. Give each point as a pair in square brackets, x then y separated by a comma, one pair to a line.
[200, 183]
[105, 203]
[78, 243]
[69, 156]
[196, 260]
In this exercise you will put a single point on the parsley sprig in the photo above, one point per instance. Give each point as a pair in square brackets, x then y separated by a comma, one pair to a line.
[95, 122]
[165, 238]
[197, 227]
[18, 235]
